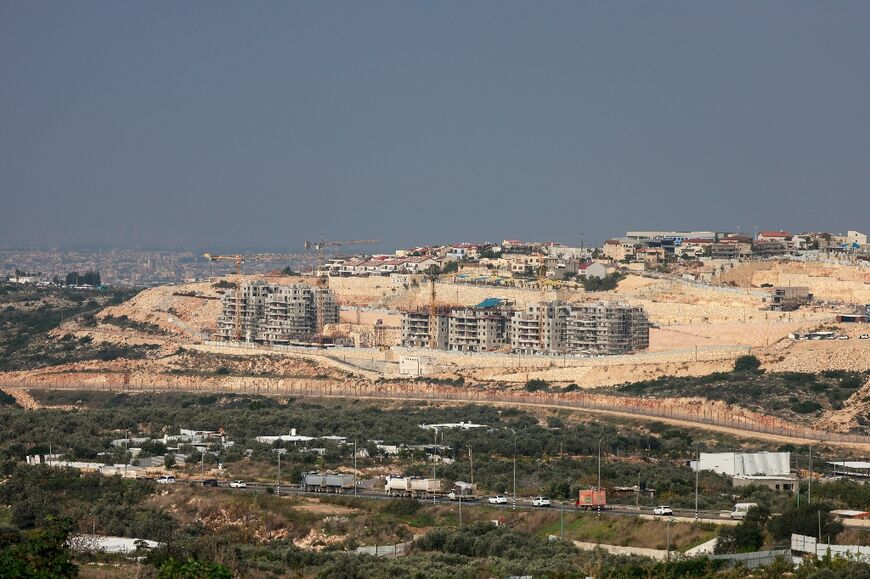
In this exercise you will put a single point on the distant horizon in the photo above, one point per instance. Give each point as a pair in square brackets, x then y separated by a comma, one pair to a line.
[384, 247]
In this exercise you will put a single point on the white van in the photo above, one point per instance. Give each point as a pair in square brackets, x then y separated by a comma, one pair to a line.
[740, 509]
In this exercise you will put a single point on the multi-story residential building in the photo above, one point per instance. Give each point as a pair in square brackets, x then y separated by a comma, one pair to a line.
[542, 328]
[416, 331]
[620, 249]
[277, 314]
[479, 329]
[530, 334]
[606, 328]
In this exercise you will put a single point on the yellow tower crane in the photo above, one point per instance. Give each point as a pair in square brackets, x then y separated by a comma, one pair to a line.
[322, 281]
[433, 312]
[239, 259]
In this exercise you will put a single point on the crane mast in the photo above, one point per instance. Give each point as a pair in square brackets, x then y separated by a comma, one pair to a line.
[322, 281]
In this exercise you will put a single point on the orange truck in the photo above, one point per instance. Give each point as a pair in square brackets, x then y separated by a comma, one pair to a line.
[592, 499]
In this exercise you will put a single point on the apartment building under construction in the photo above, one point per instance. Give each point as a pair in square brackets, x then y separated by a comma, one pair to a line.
[276, 314]
[606, 328]
[544, 328]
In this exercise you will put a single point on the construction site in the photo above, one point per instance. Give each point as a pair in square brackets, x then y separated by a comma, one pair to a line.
[555, 327]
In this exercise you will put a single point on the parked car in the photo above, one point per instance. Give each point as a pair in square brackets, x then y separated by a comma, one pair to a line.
[663, 510]
[209, 482]
[540, 502]
[498, 500]
[238, 484]
[864, 337]
[842, 337]
[165, 479]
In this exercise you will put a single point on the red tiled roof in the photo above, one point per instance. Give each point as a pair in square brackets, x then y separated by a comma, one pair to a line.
[774, 234]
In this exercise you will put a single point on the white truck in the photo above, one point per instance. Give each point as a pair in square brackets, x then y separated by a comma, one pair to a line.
[739, 511]
[412, 486]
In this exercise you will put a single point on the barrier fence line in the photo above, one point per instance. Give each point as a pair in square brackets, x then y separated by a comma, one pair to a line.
[422, 391]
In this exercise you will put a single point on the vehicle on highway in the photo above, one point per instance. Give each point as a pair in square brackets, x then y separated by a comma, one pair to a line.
[209, 482]
[663, 510]
[165, 479]
[740, 509]
[497, 500]
[589, 499]
[540, 502]
[238, 484]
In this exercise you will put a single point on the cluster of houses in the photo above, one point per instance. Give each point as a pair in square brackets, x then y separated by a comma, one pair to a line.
[512, 259]
[196, 442]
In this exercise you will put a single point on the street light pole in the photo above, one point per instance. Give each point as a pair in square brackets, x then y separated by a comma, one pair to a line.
[515, 472]
[810, 483]
[598, 498]
[278, 484]
[697, 475]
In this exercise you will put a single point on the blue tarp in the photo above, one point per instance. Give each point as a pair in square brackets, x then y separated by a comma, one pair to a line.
[490, 303]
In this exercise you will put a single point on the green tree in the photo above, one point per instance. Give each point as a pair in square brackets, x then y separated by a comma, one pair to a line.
[746, 536]
[193, 569]
[805, 520]
[44, 554]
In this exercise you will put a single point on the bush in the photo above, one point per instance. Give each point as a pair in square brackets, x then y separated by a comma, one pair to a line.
[806, 407]
[747, 363]
[536, 385]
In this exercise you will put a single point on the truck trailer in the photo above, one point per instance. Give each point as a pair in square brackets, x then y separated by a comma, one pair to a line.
[411, 486]
[592, 499]
[327, 482]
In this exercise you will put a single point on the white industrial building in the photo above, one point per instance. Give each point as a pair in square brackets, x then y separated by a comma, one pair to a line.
[772, 464]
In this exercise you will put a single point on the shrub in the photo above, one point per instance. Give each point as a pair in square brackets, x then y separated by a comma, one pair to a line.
[536, 385]
[806, 407]
[747, 363]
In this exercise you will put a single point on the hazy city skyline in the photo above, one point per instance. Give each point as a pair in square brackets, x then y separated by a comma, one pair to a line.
[228, 125]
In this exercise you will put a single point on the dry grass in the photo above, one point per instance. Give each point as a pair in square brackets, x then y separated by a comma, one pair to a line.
[625, 531]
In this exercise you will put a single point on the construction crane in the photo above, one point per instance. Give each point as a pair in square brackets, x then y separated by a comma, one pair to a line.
[542, 309]
[239, 259]
[322, 281]
[433, 312]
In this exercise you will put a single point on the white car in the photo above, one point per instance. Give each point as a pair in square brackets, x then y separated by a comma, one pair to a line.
[166, 479]
[663, 510]
[864, 337]
[497, 500]
[842, 337]
[238, 484]
[540, 502]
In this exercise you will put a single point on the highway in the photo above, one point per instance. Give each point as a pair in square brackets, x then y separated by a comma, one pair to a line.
[522, 503]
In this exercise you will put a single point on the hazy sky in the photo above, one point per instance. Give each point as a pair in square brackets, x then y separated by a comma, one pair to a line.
[265, 123]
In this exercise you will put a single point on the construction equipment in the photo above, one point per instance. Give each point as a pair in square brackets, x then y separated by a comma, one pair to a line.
[433, 313]
[322, 281]
[542, 308]
[239, 259]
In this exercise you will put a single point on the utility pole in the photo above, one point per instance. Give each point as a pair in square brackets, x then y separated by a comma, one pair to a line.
[598, 498]
[669, 538]
[810, 484]
[278, 484]
[471, 459]
[697, 476]
[637, 496]
[126, 459]
[434, 465]
[202, 464]
[515, 472]
[354, 465]
[561, 520]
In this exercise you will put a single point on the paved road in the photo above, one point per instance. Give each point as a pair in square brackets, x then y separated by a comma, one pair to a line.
[522, 503]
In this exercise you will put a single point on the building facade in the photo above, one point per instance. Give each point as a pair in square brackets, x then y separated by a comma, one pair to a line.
[277, 314]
